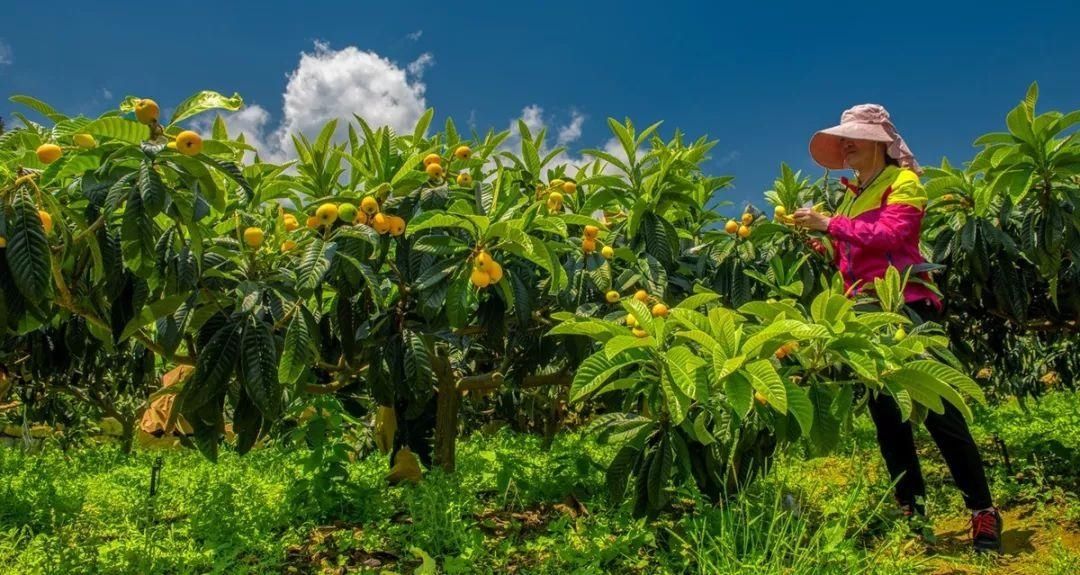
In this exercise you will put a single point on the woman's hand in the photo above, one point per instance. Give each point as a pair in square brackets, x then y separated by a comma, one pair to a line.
[808, 218]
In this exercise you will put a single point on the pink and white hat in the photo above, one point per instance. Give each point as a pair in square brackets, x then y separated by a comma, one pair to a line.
[863, 122]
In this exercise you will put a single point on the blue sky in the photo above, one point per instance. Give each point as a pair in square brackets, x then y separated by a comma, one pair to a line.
[757, 77]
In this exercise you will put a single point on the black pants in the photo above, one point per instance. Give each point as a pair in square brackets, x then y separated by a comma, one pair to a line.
[950, 433]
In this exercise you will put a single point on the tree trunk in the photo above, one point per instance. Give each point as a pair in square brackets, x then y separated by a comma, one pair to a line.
[128, 438]
[446, 415]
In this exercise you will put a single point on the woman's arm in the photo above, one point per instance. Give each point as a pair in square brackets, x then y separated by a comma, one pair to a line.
[896, 223]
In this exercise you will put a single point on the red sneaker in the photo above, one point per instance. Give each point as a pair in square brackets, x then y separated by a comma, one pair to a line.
[986, 530]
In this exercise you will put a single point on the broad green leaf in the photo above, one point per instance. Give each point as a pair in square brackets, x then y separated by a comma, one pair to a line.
[725, 366]
[118, 128]
[799, 405]
[683, 363]
[39, 107]
[213, 368]
[298, 351]
[678, 401]
[641, 314]
[204, 101]
[690, 319]
[258, 369]
[596, 329]
[701, 338]
[950, 377]
[314, 264]
[442, 219]
[597, 369]
[781, 329]
[875, 320]
[621, 343]
[763, 377]
[27, 250]
[697, 300]
[740, 393]
[923, 388]
[153, 312]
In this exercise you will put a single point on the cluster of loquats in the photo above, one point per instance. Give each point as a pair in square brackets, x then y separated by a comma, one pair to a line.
[780, 214]
[370, 214]
[555, 193]
[147, 112]
[588, 243]
[433, 166]
[659, 309]
[486, 271]
[743, 229]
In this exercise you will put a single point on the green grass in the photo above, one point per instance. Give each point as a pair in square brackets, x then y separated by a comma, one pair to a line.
[514, 507]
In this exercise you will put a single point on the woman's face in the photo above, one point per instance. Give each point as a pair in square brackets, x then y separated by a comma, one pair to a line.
[861, 155]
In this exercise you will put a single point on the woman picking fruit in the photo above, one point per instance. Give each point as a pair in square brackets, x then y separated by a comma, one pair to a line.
[877, 225]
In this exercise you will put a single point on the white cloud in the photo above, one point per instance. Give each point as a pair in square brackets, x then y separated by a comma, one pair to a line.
[533, 116]
[414, 36]
[106, 93]
[566, 134]
[7, 55]
[332, 84]
[571, 132]
[416, 67]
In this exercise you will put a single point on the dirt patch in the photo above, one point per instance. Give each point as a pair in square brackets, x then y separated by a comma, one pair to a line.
[1028, 542]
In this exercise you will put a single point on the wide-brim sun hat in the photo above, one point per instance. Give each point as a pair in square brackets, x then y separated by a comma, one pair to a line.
[863, 122]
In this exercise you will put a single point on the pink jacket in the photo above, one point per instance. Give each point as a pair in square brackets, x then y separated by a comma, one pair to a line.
[878, 227]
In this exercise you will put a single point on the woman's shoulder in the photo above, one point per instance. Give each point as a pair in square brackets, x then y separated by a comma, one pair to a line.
[905, 177]
[906, 189]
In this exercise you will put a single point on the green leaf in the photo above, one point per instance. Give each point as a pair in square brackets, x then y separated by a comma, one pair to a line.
[923, 388]
[725, 366]
[828, 308]
[595, 371]
[298, 353]
[782, 329]
[660, 474]
[621, 343]
[599, 330]
[618, 472]
[458, 302]
[119, 129]
[153, 312]
[800, 406]
[697, 300]
[475, 225]
[314, 264]
[258, 368]
[204, 101]
[27, 251]
[739, 392]
[39, 107]
[641, 313]
[213, 368]
[152, 189]
[767, 382]
[678, 401]
[682, 365]
[950, 377]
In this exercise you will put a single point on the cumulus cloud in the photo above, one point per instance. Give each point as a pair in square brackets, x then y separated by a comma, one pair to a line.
[7, 55]
[414, 36]
[330, 84]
